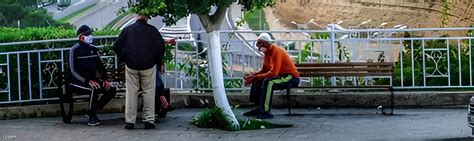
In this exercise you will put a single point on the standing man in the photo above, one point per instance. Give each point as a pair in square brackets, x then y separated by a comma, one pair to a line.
[277, 72]
[141, 47]
[89, 74]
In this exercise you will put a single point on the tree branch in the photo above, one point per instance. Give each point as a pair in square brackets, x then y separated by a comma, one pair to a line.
[205, 20]
[218, 16]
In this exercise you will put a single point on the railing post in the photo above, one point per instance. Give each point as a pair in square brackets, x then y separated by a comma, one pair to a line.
[333, 51]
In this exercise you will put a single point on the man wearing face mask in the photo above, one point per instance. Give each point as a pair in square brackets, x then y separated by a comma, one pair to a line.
[89, 74]
[277, 72]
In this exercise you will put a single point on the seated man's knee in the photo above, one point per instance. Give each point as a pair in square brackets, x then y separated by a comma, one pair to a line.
[266, 80]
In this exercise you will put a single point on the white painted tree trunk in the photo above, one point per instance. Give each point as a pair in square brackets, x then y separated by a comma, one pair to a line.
[217, 78]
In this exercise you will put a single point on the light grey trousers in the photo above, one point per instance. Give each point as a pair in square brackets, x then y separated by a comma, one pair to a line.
[134, 79]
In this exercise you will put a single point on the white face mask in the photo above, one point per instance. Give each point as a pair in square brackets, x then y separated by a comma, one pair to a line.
[88, 39]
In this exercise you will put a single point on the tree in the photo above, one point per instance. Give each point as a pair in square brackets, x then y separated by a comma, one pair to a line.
[211, 13]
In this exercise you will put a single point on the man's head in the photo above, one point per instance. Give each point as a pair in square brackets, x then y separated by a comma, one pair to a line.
[264, 41]
[84, 33]
[143, 17]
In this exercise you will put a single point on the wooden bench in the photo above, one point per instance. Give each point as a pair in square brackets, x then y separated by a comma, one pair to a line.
[67, 96]
[349, 69]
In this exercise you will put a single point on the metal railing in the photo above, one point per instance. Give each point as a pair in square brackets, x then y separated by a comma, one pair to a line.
[424, 59]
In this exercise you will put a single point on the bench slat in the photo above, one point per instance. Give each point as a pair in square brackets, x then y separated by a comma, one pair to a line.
[326, 69]
[344, 64]
[351, 86]
[316, 74]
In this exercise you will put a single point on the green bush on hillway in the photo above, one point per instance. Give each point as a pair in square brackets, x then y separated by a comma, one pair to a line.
[42, 33]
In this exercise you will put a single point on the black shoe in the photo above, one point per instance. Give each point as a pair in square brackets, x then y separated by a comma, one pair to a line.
[252, 112]
[98, 120]
[264, 115]
[129, 126]
[169, 108]
[149, 125]
[157, 120]
[93, 120]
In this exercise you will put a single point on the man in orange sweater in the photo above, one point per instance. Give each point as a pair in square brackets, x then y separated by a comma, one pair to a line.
[278, 71]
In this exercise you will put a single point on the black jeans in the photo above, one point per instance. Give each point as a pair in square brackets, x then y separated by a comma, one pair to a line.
[261, 91]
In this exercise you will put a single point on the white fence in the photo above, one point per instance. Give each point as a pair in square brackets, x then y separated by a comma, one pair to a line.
[423, 58]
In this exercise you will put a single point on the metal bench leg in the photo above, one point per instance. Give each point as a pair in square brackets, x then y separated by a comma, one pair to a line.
[288, 102]
[66, 103]
[392, 100]
[392, 97]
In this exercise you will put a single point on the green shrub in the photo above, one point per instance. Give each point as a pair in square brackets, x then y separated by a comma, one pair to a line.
[214, 117]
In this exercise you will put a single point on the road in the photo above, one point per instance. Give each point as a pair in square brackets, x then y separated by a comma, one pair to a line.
[103, 13]
[315, 124]
[97, 17]
[75, 6]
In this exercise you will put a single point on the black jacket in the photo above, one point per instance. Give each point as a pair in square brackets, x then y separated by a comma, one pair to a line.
[85, 63]
[141, 46]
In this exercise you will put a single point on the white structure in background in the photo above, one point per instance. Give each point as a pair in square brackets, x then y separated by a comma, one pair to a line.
[182, 25]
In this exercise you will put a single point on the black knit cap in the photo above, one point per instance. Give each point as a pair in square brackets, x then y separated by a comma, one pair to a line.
[84, 29]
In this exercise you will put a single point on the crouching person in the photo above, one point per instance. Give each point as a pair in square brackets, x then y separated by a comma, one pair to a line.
[278, 71]
[89, 74]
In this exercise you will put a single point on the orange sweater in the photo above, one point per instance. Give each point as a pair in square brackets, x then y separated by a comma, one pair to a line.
[276, 62]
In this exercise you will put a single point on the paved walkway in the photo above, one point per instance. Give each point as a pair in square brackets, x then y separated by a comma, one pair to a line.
[322, 124]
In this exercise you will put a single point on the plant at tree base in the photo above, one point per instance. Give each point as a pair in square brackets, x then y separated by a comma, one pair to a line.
[214, 117]
[211, 14]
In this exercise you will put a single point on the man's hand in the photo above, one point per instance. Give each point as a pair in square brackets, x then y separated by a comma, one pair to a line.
[162, 69]
[249, 78]
[249, 74]
[94, 84]
[107, 85]
[164, 103]
[171, 42]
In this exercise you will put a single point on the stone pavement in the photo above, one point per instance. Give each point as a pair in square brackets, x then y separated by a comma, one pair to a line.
[316, 124]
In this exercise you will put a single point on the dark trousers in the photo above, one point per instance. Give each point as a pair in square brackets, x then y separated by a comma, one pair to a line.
[95, 103]
[261, 91]
[160, 86]
[160, 91]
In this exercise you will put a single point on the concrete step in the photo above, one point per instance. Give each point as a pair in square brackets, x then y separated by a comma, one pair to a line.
[298, 99]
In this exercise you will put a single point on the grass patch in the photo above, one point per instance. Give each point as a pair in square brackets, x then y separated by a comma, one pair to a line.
[214, 117]
[256, 20]
[72, 15]
[113, 22]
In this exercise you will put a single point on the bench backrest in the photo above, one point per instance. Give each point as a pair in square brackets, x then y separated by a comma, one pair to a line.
[345, 69]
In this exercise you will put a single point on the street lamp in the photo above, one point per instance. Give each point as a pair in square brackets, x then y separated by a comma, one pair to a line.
[383, 25]
[397, 26]
[403, 27]
[335, 26]
[316, 24]
[339, 22]
[364, 22]
[344, 36]
[298, 26]
[304, 26]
